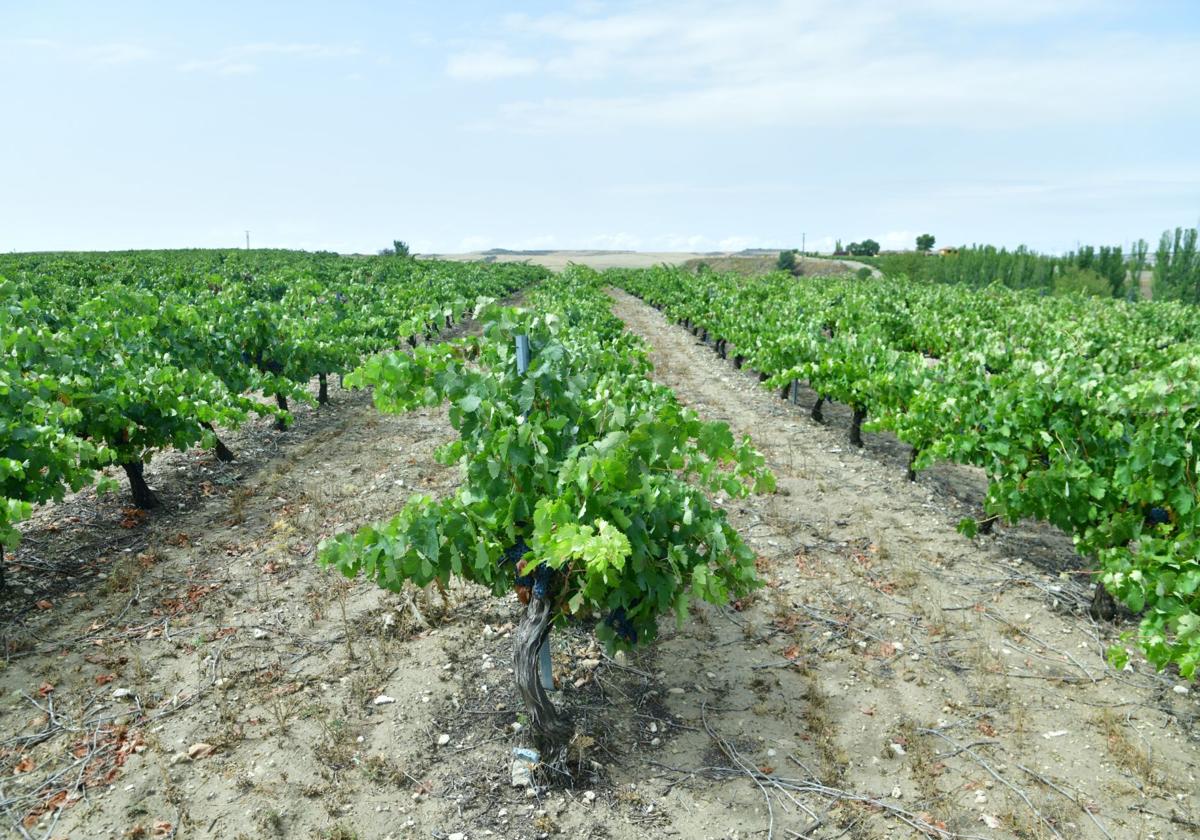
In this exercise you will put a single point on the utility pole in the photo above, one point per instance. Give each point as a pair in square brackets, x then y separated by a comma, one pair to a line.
[247, 240]
[803, 244]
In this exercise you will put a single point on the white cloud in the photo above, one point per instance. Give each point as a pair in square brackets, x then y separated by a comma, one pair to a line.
[737, 243]
[777, 62]
[473, 243]
[113, 53]
[615, 242]
[246, 58]
[537, 242]
[1005, 11]
[685, 242]
[220, 67]
[483, 65]
[298, 50]
[898, 240]
[117, 53]
[1157, 184]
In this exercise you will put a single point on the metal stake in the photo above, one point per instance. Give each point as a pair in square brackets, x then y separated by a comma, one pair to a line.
[545, 668]
[522, 354]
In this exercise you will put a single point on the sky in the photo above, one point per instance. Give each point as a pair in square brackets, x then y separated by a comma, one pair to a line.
[693, 125]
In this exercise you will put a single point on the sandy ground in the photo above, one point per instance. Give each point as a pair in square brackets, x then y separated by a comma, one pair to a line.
[856, 265]
[558, 260]
[193, 673]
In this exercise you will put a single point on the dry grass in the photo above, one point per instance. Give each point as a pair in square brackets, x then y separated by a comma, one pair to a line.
[819, 718]
[383, 771]
[758, 264]
[920, 756]
[1127, 754]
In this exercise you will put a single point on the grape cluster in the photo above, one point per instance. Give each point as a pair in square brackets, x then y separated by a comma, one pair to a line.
[515, 551]
[512, 555]
[1158, 516]
[542, 576]
[538, 579]
[622, 626]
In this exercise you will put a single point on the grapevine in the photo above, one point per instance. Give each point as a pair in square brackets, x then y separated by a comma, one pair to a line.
[1081, 411]
[106, 359]
[584, 483]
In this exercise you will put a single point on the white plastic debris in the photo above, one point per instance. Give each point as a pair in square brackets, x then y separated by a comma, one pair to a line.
[525, 761]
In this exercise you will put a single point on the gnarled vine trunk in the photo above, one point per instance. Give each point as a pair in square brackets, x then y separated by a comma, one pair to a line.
[143, 496]
[551, 729]
[818, 416]
[222, 451]
[911, 474]
[281, 401]
[1104, 605]
[856, 421]
[322, 389]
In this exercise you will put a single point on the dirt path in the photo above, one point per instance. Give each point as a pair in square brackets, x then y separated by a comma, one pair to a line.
[203, 678]
[856, 265]
[952, 675]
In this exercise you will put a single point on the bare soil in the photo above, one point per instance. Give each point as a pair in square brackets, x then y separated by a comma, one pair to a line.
[893, 679]
[740, 263]
[757, 265]
[558, 260]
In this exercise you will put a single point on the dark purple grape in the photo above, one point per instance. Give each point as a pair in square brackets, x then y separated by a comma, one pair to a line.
[622, 626]
[541, 580]
[515, 552]
[512, 556]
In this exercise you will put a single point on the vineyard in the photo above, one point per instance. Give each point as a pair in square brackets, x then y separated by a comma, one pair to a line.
[108, 359]
[724, 507]
[1082, 412]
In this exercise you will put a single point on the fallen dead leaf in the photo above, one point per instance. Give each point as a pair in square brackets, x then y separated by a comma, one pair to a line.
[201, 750]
